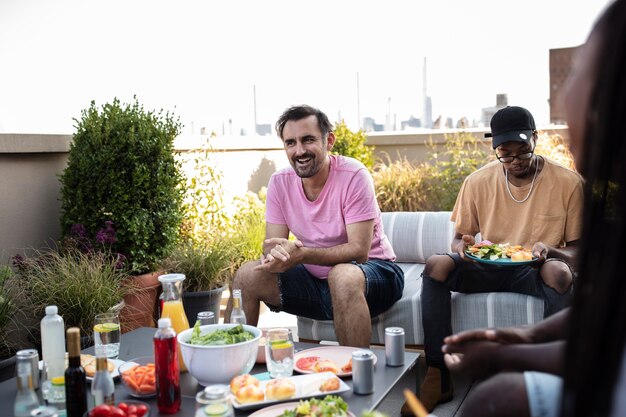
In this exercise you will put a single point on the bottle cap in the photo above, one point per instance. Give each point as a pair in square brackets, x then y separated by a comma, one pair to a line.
[165, 322]
[52, 310]
[171, 278]
[214, 392]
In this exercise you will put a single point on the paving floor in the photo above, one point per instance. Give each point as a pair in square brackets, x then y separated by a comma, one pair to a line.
[392, 403]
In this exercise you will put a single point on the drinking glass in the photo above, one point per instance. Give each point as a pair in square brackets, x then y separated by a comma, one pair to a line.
[106, 332]
[279, 352]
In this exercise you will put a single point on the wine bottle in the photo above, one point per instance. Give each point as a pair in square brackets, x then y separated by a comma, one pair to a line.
[75, 377]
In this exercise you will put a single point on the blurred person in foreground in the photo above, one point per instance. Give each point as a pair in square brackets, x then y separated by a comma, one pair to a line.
[523, 199]
[574, 362]
[341, 266]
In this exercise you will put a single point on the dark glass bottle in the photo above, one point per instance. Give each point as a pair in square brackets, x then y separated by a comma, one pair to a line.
[75, 377]
[167, 370]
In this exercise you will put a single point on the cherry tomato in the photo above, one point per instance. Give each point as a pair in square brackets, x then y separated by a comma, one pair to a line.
[123, 407]
[142, 409]
[131, 415]
[102, 410]
[117, 412]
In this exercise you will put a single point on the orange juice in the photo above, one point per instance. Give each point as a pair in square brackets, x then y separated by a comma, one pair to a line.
[175, 311]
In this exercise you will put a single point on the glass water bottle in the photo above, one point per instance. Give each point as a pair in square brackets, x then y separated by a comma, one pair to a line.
[173, 306]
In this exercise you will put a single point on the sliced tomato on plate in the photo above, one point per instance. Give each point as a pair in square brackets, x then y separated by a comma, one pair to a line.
[306, 363]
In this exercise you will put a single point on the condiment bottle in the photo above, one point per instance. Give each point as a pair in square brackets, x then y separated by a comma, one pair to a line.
[26, 399]
[237, 314]
[166, 368]
[173, 306]
[75, 377]
[53, 342]
[102, 386]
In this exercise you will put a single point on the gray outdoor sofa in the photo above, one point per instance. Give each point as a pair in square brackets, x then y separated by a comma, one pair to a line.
[414, 237]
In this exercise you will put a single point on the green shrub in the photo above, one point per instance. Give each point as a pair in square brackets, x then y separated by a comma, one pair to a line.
[7, 311]
[352, 144]
[121, 169]
[554, 147]
[248, 227]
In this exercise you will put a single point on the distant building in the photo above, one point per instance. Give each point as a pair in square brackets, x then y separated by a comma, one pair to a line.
[428, 112]
[413, 122]
[560, 67]
[463, 123]
[264, 129]
[370, 125]
[502, 100]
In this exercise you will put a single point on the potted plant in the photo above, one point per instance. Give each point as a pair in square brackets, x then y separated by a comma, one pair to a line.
[207, 268]
[122, 172]
[81, 284]
[7, 311]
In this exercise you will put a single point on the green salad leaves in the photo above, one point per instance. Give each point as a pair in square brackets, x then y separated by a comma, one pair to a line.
[220, 337]
[330, 406]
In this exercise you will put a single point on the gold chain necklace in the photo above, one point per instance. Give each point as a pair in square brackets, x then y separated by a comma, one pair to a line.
[532, 184]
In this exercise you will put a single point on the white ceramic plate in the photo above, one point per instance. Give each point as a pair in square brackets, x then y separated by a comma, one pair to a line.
[340, 355]
[278, 409]
[114, 374]
[307, 386]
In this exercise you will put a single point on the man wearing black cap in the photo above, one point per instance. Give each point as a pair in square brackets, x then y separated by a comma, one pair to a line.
[521, 198]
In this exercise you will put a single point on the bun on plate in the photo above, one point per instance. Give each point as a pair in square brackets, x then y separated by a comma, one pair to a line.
[241, 381]
[325, 365]
[249, 394]
[89, 363]
[522, 256]
[330, 384]
[280, 389]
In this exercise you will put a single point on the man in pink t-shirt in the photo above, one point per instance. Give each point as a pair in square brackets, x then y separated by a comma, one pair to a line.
[341, 265]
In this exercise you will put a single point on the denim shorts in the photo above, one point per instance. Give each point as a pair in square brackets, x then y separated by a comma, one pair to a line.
[544, 394]
[303, 294]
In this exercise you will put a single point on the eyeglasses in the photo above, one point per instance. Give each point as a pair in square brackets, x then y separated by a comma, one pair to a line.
[511, 158]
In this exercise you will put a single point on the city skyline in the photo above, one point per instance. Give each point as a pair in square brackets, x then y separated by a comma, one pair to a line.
[203, 60]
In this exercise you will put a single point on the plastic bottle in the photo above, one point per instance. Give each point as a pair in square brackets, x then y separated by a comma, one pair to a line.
[75, 377]
[26, 399]
[166, 368]
[102, 386]
[237, 315]
[53, 342]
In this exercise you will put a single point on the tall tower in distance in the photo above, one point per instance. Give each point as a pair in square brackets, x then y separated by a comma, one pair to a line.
[428, 104]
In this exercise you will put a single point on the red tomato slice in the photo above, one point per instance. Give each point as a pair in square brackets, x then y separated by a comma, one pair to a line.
[306, 363]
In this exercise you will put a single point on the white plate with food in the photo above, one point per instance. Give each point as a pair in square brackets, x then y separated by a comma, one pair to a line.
[335, 359]
[248, 392]
[279, 409]
[89, 363]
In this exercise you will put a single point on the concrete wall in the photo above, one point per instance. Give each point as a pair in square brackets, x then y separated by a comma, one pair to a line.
[30, 166]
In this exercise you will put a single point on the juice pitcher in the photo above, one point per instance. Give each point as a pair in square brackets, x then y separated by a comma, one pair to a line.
[173, 305]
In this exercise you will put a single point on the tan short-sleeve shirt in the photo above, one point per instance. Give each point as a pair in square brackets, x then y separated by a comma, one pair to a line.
[552, 214]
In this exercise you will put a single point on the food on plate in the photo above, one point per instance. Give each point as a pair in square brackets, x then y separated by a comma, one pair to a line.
[241, 381]
[325, 365]
[220, 337]
[249, 394]
[330, 384]
[331, 405]
[522, 256]
[347, 368]
[280, 389]
[89, 363]
[495, 251]
[306, 363]
[141, 378]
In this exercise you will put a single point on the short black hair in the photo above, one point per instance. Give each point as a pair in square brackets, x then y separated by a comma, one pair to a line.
[300, 112]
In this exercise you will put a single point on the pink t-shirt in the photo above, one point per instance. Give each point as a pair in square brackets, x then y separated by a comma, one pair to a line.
[347, 197]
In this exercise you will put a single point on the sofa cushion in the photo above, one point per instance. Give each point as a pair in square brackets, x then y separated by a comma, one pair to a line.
[469, 311]
[415, 236]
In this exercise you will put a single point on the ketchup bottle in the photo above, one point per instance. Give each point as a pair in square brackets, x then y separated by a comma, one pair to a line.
[167, 370]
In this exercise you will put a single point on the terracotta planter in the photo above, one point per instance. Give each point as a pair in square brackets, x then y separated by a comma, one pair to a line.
[195, 302]
[141, 305]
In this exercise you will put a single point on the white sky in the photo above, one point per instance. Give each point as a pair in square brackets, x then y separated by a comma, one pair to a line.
[202, 58]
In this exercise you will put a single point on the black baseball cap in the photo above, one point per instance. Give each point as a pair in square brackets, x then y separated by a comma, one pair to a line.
[511, 124]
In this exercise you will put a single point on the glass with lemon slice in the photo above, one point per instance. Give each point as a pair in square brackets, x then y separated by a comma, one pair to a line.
[106, 332]
[279, 352]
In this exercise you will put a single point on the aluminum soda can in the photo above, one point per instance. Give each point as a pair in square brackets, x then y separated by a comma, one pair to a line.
[206, 317]
[363, 371]
[31, 356]
[45, 411]
[394, 346]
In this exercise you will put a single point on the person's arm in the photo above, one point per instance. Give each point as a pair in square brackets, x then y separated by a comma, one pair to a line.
[567, 253]
[285, 254]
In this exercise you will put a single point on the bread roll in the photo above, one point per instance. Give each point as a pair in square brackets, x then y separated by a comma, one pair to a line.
[522, 256]
[88, 362]
[241, 381]
[331, 384]
[325, 365]
[249, 394]
[280, 389]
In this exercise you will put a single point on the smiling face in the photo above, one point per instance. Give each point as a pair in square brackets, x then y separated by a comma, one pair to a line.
[519, 168]
[306, 148]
